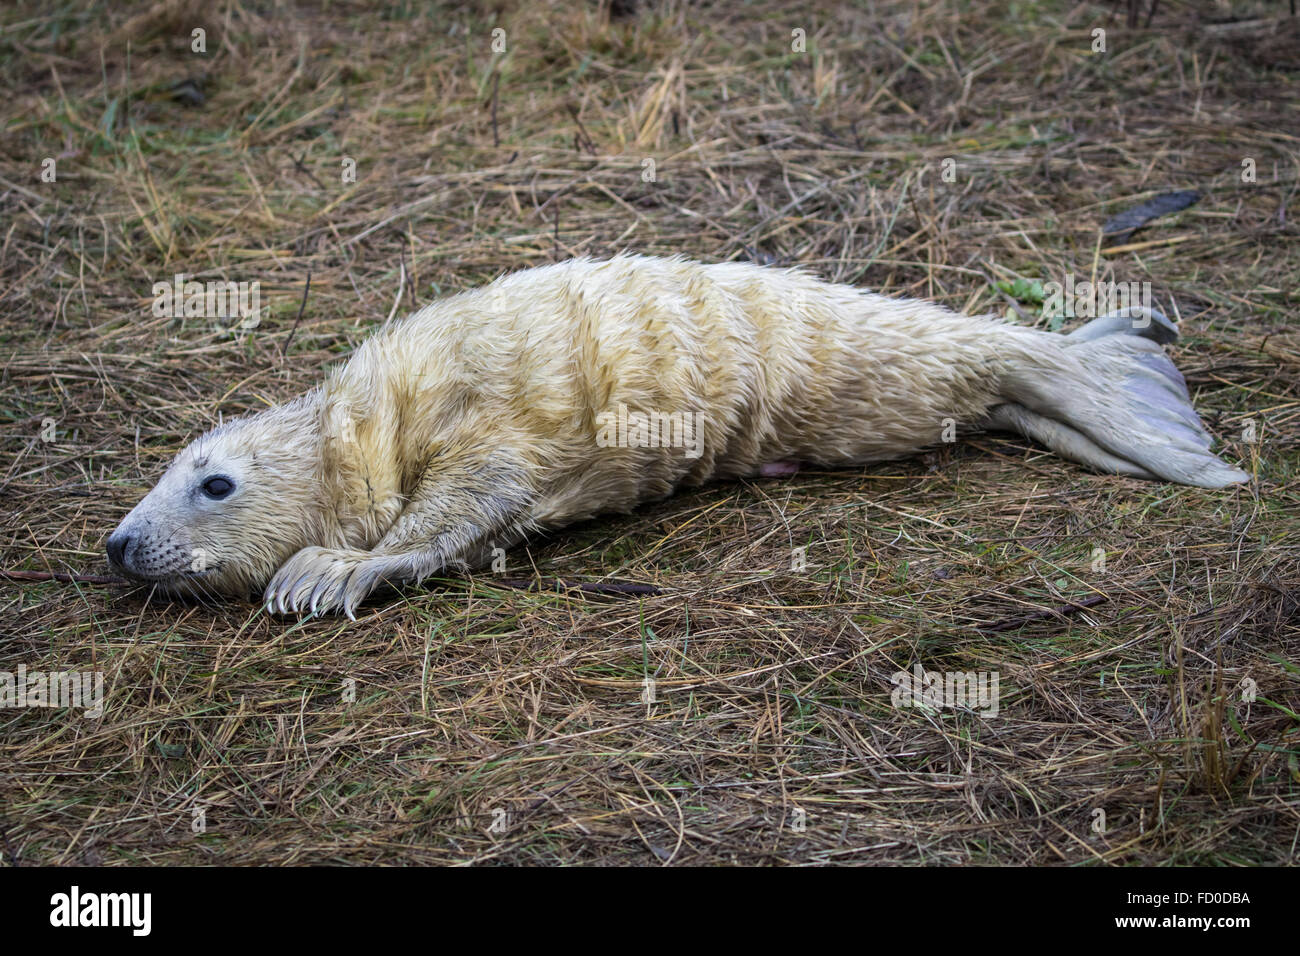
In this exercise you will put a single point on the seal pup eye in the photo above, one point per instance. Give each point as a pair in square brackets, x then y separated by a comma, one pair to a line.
[218, 487]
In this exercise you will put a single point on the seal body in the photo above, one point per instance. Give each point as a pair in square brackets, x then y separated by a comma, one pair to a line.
[561, 392]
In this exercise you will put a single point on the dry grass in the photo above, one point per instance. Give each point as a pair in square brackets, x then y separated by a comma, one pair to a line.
[773, 686]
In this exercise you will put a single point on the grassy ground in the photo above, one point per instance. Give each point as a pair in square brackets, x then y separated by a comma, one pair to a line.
[1127, 621]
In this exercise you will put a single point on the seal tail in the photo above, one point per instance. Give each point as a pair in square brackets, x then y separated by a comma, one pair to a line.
[1107, 396]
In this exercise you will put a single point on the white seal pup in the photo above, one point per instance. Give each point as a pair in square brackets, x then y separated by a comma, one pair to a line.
[560, 392]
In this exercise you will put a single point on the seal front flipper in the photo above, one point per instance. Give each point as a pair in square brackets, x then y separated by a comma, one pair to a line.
[451, 514]
[312, 579]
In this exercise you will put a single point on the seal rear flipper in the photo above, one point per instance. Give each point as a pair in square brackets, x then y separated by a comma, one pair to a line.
[1062, 439]
[1136, 320]
[1124, 396]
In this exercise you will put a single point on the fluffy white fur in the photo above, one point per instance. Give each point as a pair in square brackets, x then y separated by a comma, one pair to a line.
[477, 419]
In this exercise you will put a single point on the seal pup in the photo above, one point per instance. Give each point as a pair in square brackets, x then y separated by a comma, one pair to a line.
[557, 393]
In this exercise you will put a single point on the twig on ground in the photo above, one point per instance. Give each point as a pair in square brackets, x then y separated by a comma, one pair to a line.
[1060, 611]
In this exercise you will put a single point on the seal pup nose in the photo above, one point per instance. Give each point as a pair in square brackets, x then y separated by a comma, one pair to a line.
[117, 544]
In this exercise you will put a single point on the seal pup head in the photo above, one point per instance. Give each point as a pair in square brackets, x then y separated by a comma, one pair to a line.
[231, 508]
